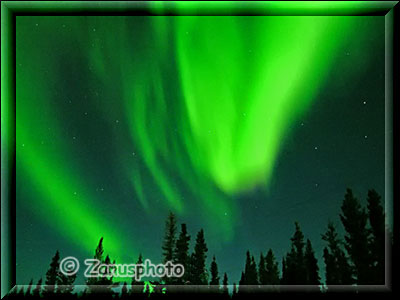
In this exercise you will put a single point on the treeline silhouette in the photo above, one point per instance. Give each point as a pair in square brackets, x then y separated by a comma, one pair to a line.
[358, 259]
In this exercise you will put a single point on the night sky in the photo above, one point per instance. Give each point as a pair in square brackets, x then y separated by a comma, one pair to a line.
[239, 125]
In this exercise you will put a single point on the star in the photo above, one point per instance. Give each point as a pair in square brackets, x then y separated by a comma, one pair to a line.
[365, 102]
[365, 136]
[315, 148]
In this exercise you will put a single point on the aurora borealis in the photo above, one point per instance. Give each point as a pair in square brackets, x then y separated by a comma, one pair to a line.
[236, 124]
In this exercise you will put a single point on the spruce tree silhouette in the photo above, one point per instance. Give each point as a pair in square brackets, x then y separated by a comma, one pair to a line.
[137, 286]
[102, 284]
[242, 283]
[235, 291]
[225, 290]
[29, 289]
[294, 265]
[169, 244]
[182, 253]
[65, 284]
[271, 269]
[354, 219]
[52, 275]
[214, 282]
[285, 274]
[262, 271]
[198, 262]
[376, 217]
[37, 292]
[337, 267]
[249, 276]
[311, 266]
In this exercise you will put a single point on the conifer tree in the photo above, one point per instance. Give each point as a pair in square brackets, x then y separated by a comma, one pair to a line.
[250, 271]
[190, 269]
[182, 253]
[253, 276]
[262, 271]
[235, 290]
[105, 280]
[242, 283]
[65, 284]
[271, 269]
[311, 265]
[376, 216]
[52, 275]
[29, 289]
[199, 270]
[169, 243]
[354, 219]
[137, 287]
[225, 285]
[249, 276]
[214, 282]
[294, 268]
[38, 289]
[284, 277]
[98, 254]
[337, 268]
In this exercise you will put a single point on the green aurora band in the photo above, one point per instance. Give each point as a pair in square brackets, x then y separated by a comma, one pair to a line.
[209, 102]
